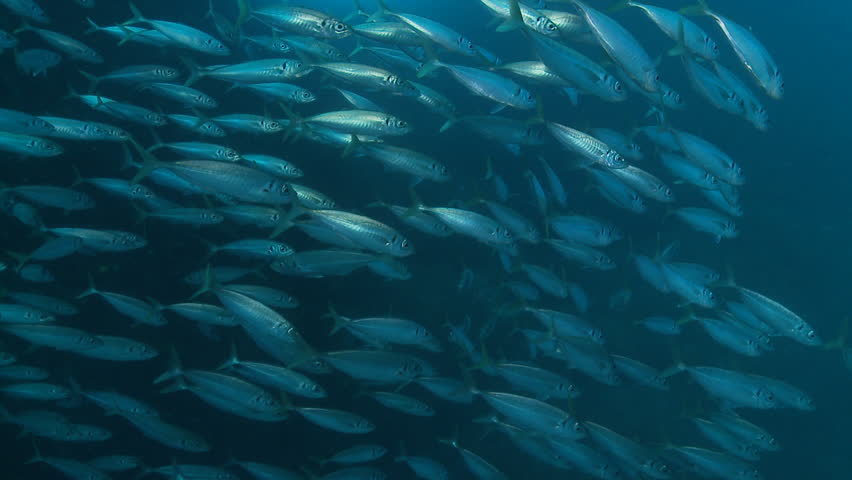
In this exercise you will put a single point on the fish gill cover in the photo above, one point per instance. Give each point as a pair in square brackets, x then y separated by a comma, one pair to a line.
[480, 239]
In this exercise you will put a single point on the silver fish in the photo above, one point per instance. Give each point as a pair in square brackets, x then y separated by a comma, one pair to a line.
[753, 54]
[622, 47]
[183, 35]
[304, 21]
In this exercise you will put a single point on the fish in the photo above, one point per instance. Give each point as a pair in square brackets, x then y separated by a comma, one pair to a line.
[680, 29]
[587, 146]
[621, 46]
[578, 69]
[236, 180]
[372, 78]
[436, 32]
[181, 34]
[717, 92]
[360, 122]
[381, 330]
[303, 21]
[489, 85]
[254, 71]
[718, 463]
[71, 47]
[27, 9]
[738, 388]
[187, 96]
[14, 121]
[470, 223]
[408, 161]
[589, 231]
[54, 336]
[779, 317]
[529, 17]
[751, 52]
[36, 61]
[364, 231]
[29, 146]
[229, 173]
[631, 453]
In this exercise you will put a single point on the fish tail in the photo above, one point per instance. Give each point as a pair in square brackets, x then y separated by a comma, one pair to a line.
[619, 6]
[380, 12]
[23, 28]
[839, 341]
[699, 8]
[158, 142]
[136, 14]
[729, 281]
[37, 457]
[245, 13]
[91, 290]
[93, 80]
[573, 95]
[126, 158]
[515, 20]
[141, 214]
[208, 283]
[174, 370]
[149, 162]
[93, 27]
[358, 12]
[485, 363]
[430, 66]
[287, 220]
[295, 122]
[339, 320]
[359, 47]
[195, 72]
[353, 145]
[453, 440]
[128, 34]
[179, 385]
[402, 453]
[232, 359]
[72, 93]
[449, 124]
[673, 370]
[417, 204]
[680, 47]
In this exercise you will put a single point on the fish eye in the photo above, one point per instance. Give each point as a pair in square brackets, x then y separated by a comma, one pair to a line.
[617, 87]
[657, 77]
[404, 244]
[401, 124]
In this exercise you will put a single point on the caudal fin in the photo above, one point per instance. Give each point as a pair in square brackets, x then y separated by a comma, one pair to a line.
[515, 20]
[174, 370]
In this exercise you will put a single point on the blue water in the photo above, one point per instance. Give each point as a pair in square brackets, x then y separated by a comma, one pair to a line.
[793, 247]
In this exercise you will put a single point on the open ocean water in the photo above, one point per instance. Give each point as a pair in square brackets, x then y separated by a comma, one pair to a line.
[791, 246]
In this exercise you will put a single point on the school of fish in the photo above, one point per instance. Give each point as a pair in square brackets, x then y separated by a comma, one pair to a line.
[270, 223]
